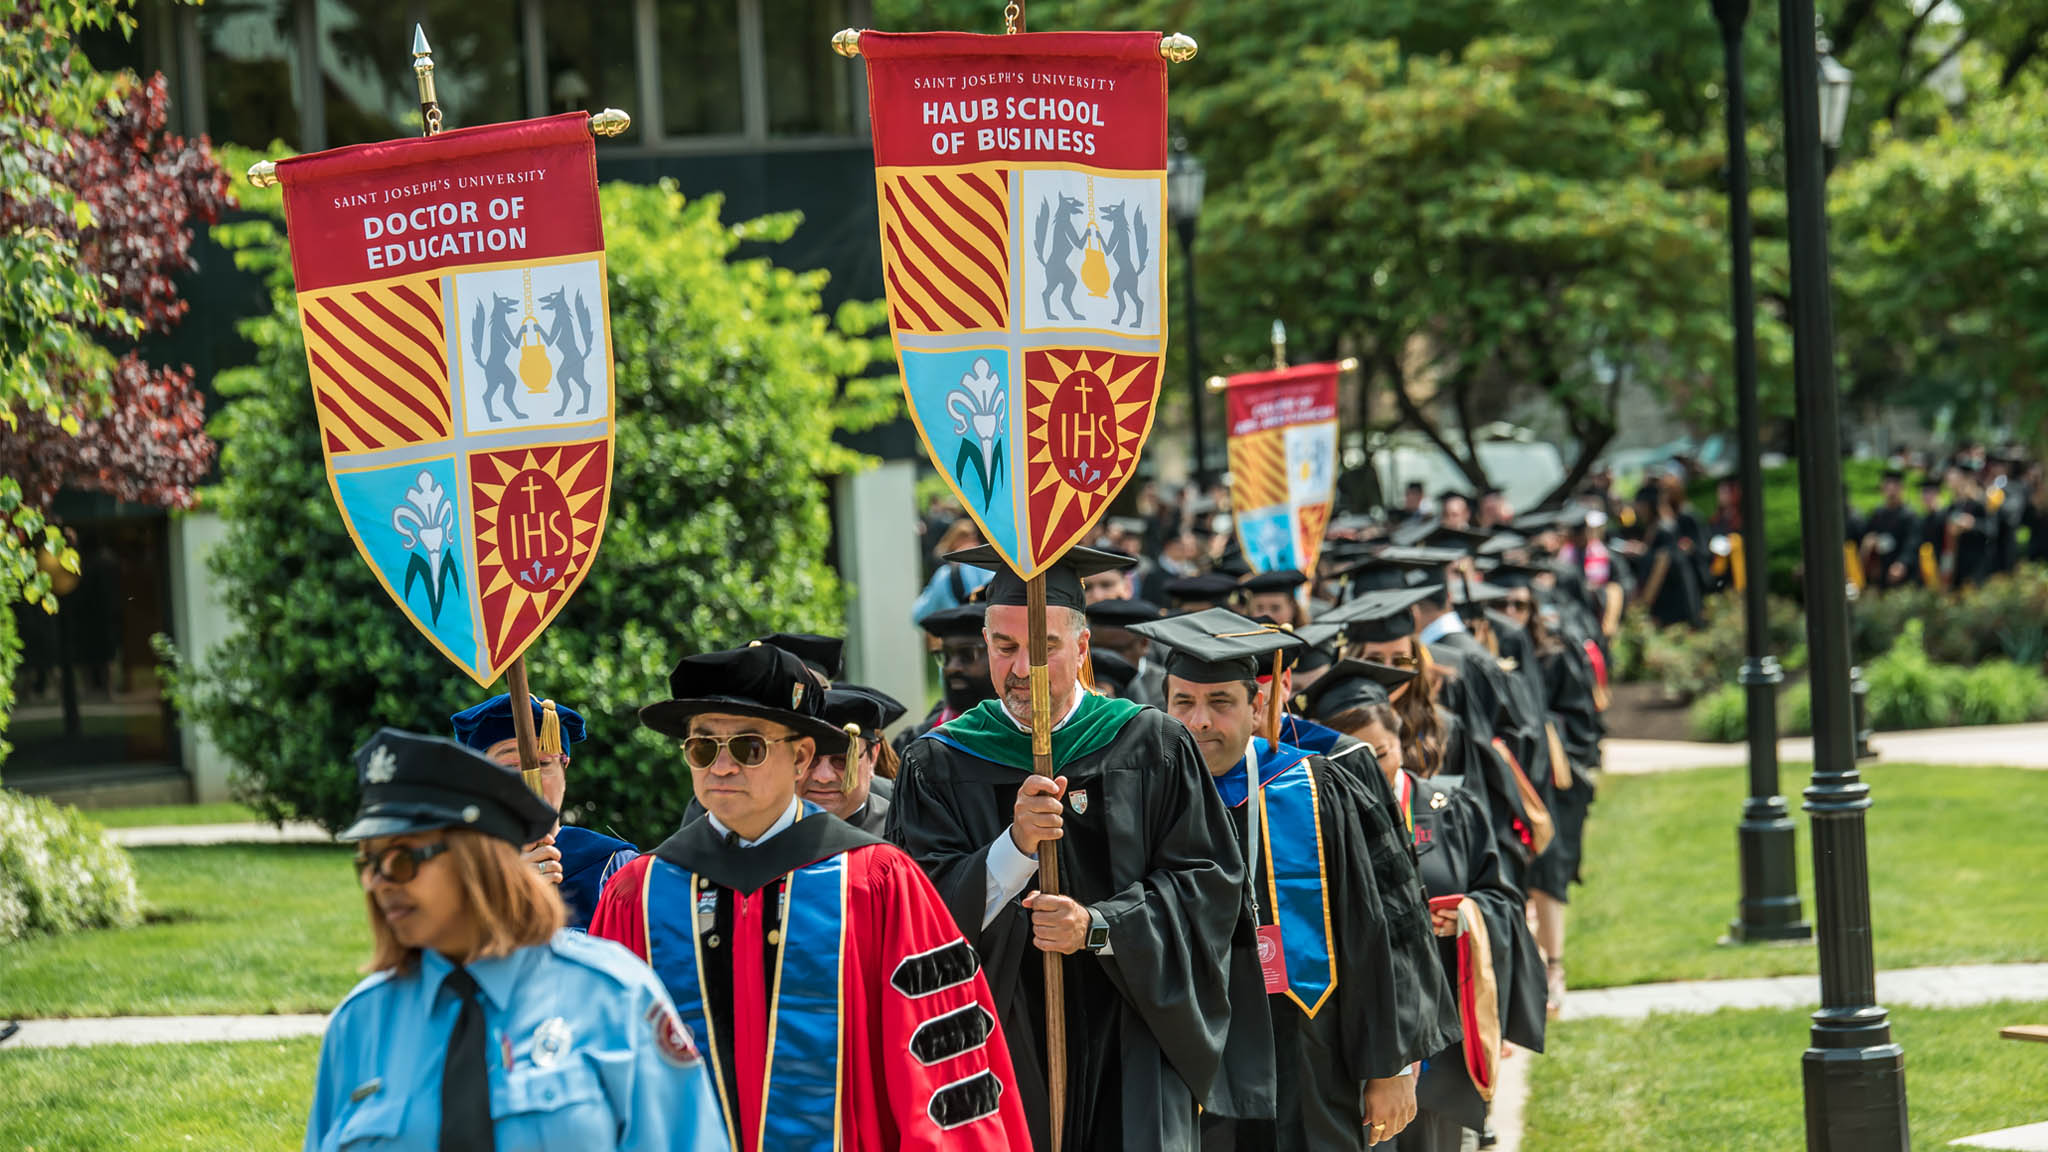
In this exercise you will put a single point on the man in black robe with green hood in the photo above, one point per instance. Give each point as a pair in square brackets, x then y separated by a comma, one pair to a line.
[1152, 929]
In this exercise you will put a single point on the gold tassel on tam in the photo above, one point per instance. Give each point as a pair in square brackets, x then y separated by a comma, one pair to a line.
[846, 778]
[547, 742]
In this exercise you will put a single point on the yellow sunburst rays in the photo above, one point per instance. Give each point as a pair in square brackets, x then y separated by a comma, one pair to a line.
[1042, 392]
[488, 550]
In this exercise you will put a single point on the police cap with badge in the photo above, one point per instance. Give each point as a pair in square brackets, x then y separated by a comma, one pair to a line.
[414, 783]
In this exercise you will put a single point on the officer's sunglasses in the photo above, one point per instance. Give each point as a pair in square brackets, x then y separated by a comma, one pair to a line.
[398, 864]
[747, 750]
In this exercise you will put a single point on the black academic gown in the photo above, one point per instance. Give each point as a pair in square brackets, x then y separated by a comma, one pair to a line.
[1898, 542]
[1479, 695]
[1457, 856]
[1568, 676]
[1173, 1017]
[1391, 1005]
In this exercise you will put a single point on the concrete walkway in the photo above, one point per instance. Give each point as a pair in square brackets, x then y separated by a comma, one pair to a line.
[1957, 986]
[83, 1031]
[2016, 745]
[175, 835]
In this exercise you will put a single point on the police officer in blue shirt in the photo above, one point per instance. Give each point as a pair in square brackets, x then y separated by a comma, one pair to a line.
[580, 860]
[485, 1026]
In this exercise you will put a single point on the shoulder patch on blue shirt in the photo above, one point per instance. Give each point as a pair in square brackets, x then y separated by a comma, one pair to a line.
[364, 986]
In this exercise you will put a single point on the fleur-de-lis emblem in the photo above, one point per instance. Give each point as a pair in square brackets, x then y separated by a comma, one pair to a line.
[426, 521]
[977, 406]
[382, 767]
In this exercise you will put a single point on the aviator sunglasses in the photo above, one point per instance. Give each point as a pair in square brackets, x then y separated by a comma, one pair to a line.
[398, 864]
[747, 750]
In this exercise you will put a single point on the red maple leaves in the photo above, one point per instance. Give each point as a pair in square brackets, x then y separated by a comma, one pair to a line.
[147, 443]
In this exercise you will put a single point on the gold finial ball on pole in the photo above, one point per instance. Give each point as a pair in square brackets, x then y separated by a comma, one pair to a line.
[1178, 47]
[263, 174]
[610, 122]
[846, 42]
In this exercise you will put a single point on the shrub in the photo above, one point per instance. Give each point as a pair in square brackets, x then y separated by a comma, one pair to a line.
[1908, 690]
[59, 872]
[2002, 693]
[1721, 716]
[1691, 662]
[729, 392]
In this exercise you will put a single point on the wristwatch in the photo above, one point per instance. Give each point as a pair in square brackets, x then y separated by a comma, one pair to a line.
[1098, 931]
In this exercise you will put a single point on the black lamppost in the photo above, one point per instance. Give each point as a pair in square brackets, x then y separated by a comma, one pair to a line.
[1769, 909]
[1855, 1075]
[1185, 176]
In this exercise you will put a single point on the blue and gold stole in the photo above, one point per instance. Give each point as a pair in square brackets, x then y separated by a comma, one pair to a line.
[803, 1107]
[1291, 850]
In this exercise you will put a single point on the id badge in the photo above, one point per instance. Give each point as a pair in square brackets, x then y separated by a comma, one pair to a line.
[1272, 959]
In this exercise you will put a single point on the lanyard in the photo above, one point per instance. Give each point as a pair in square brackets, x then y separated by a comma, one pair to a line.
[1255, 805]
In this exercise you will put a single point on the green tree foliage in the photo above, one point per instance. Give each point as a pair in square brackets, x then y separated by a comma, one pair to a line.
[1944, 273]
[726, 375]
[50, 302]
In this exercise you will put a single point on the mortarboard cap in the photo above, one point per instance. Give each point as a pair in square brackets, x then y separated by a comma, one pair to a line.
[1062, 577]
[1508, 575]
[414, 783]
[1112, 670]
[1350, 684]
[1318, 635]
[1893, 474]
[1503, 542]
[949, 623]
[1203, 588]
[1217, 645]
[1121, 613]
[1277, 582]
[1381, 616]
[825, 655]
[865, 711]
[759, 680]
[483, 725]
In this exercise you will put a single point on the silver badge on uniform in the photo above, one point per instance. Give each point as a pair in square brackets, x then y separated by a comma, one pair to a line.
[551, 1042]
[1080, 802]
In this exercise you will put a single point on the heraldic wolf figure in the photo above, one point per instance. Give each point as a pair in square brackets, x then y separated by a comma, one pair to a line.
[499, 376]
[561, 336]
[1119, 244]
[1066, 240]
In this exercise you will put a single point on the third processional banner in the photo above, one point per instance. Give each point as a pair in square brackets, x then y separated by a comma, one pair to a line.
[1021, 185]
[1283, 463]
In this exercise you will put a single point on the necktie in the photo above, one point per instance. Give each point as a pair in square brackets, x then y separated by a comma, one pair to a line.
[465, 1080]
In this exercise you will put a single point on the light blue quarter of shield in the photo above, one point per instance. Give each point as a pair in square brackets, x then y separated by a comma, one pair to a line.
[964, 401]
[409, 519]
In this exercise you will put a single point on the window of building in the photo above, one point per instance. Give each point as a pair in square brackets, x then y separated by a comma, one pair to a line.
[249, 60]
[365, 65]
[702, 90]
[588, 58]
[809, 87]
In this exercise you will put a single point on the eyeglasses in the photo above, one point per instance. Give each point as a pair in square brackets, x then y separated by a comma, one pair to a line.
[398, 864]
[1519, 606]
[747, 749]
[964, 653]
[1402, 661]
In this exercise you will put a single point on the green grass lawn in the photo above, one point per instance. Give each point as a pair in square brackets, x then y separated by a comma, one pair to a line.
[250, 1097]
[1731, 1081]
[157, 815]
[248, 928]
[1956, 856]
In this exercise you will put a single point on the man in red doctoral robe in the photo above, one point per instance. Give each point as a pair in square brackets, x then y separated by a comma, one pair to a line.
[840, 1007]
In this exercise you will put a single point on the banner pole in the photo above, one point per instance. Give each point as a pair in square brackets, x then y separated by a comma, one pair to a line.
[522, 723]
[1048, 858]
